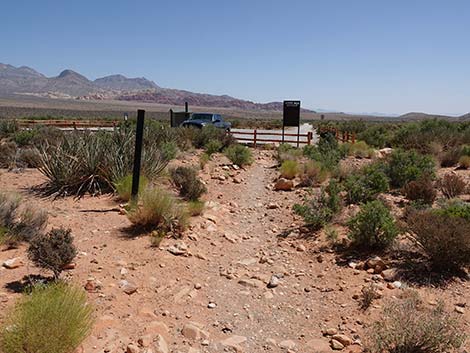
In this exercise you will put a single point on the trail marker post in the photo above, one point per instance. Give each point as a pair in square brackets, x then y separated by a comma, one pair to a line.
[139, 136]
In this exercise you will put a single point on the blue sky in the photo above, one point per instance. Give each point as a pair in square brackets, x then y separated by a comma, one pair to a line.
[348, 55]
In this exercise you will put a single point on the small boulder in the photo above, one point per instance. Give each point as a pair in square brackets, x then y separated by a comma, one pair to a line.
[283, 185]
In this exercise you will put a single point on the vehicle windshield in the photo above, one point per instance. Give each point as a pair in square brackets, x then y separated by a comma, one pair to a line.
[201, 116]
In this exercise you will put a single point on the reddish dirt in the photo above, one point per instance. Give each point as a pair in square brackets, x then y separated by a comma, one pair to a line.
[247, 234]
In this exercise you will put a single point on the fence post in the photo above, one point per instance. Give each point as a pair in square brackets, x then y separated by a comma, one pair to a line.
[139, 133]
[353, 139]
[309, 137]
[254, 138]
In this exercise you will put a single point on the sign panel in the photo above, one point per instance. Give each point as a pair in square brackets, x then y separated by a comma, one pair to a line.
[291, 113]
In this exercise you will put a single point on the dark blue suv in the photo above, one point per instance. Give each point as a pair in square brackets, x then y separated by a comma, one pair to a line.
[199, 120]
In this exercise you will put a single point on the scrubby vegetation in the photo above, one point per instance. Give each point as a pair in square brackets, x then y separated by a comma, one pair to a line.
[186, 180]
[407, 325]
[451, 185]
[19, 221]
[53, 250]
[51, 319]
[366, 184]
[421, 191]
[123, 186]
[373, 227]
[405, 166]
[289, 169]
[239, 155]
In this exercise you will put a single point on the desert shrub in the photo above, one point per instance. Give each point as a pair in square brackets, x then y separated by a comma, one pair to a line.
[359, 149]
[464, 162]
[421, 191]
[319, 210]
[405, 166]
[196, 207]
[444, 238]
[123, 186]
[451, 185]
[408, 326]
[239, 154]
[286, 151]
[455, 208]
[19, 222]
[213, 146]
[7, 154]
[327, 153]
[91, 162]
[169, 150]
[201, 137]
[8, 127]
[52, 319]
[188, 183]
[311, 173]
[465, 150]
[365, 184]
[368, 295]
[373, 226]
[24, 137]
[53, 250]
[28, 158]
[204, 158]
[158, 210]
[449, 157]
[289, 169]
[376, 135]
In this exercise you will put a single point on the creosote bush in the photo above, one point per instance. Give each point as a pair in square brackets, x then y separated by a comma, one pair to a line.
[373, 226]
[51, 319]
[188, 183]
[365, 184]
[311, 173]
[451, 185]
[421, 191]
[408, 326]
[289, 169]
[443, 235]
[158, 210]
[53, 251]
[213, 146]
[239, 155]
[406, 166]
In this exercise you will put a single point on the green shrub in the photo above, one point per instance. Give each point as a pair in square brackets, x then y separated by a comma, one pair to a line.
[204, 158]
[188, 183]
[376, 135]
[52, 251]
[24, 137]
[52, 319]
[123, 186]
[195, 208]
[421, 191]
[444, 236]
[455, 208]
[406, 166]
[366, 184]
[289, 169]
[158, 210]
[359, 149]
[319, 210]
[408, 326]
[464, 162]
[449, 157]
[451, 185]
[8, 127]
[201, 137]
[239, 155]
[327, 153]
[213, 146]
[373, 226]
[169, 150]
[29, 158]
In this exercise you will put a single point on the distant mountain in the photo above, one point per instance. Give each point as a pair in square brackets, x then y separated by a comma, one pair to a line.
[122, 83]
[422, 116]
[71, 84]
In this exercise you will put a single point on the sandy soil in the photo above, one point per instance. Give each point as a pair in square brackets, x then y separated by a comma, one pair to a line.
[215, 296]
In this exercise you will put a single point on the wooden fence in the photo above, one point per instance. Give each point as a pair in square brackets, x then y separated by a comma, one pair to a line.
[256, 137]
[75, 124]
[341, 136]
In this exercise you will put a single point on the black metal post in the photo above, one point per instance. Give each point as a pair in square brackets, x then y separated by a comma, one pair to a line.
[298, 135]
[186, 107]
[139, 134]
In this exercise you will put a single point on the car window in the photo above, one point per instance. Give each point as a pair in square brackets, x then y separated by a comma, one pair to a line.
[201, 116]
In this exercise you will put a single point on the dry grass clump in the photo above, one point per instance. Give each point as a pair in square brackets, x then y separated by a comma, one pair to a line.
[52, 319]
[311, 173]
[464, 162]
[123, 186]
[189, 185]
[239, 155]
[196, 208]
[158, 210]
[421, 191]
[289, 169]
[407, 326]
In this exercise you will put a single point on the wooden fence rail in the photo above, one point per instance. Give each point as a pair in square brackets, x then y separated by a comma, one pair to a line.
[255, 137]
[25, 123]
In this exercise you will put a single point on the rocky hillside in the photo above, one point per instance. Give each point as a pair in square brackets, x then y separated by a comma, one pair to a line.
[71, 84]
